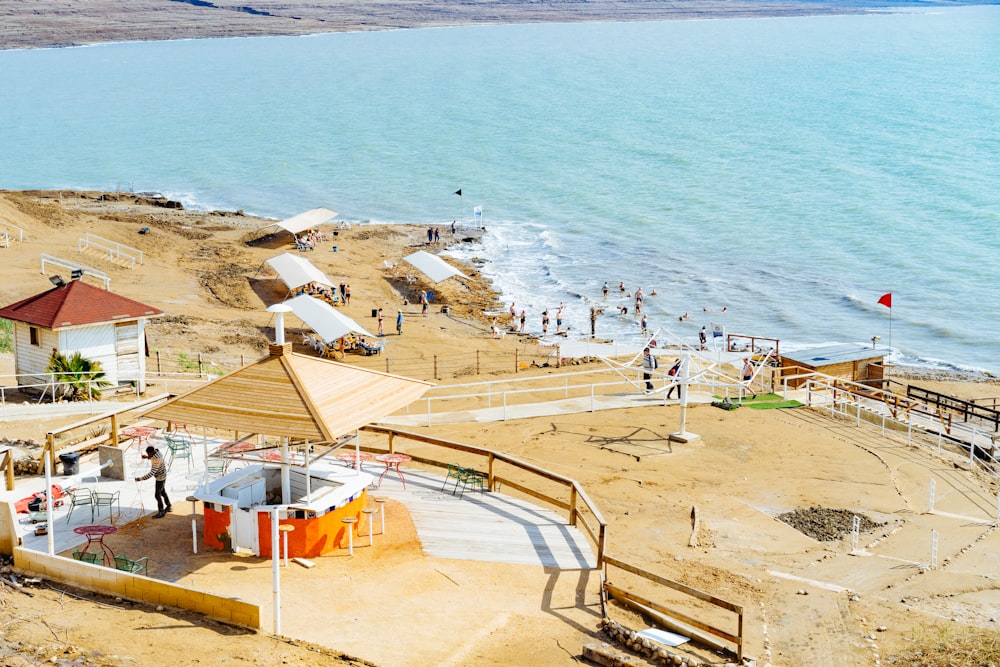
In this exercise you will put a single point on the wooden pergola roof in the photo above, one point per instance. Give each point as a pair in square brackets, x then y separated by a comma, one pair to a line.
[293, 395]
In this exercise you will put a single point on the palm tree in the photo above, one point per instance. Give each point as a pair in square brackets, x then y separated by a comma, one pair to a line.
[78, 378]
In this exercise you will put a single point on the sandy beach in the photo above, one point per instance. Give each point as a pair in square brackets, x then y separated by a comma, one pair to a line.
[749, 466]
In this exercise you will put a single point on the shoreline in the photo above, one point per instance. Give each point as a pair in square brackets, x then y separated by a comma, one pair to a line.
[31, 24]
[123, 205]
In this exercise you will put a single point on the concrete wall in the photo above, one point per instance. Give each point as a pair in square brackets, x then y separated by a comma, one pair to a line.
[135, 587]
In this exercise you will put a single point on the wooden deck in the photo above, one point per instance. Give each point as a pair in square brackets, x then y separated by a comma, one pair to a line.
[487, 526]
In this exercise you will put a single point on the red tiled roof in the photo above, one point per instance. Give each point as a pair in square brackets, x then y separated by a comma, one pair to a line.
[73, 304]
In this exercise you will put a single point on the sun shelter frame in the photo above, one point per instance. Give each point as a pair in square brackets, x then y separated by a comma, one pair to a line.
[303, 221]
[296, 271]
[324, 319]
[432, 266]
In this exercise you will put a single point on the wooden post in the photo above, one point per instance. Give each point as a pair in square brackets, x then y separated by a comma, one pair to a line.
[50, 446]
[435, 367]
[490, 482]
[517, 366]
[572, 505]
[200, 369]
[392, 449]
[477, 362]
[9, 469]
[114, 429]
[242, 361]
[386, 362]
[158, 371]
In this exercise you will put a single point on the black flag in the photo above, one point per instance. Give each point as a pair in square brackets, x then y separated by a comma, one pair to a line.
[458, 192]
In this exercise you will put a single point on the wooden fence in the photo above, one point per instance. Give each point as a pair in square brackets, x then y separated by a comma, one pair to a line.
[705, 632]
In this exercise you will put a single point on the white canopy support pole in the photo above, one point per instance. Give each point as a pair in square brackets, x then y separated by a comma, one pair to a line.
[48, 504]
[357, 452]
[308, 477]
[682, 435]
[275, 571]
[204, 446]
[286, 477]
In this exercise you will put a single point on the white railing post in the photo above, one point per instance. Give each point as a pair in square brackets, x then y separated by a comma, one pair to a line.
[592, 408]
[930, 496]
[972, 450]
[859, 410]
[505, 406]
[934, 548]
[428, 414]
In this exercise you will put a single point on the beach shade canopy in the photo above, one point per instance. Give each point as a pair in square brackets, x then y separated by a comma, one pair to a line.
[304, 221]
[432, 266]
[297, 271]
[324, 319]
[292, 395]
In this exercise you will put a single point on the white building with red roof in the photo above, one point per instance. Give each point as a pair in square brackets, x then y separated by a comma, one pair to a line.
[77, 317]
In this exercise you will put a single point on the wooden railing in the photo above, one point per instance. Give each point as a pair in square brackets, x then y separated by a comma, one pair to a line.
[966, 409]
[705, 633]
[582, 511]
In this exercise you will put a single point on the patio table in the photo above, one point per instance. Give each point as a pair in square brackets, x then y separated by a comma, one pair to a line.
[95, 535]
[392, 462]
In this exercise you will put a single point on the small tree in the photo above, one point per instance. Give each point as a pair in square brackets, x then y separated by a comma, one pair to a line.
[78, 378]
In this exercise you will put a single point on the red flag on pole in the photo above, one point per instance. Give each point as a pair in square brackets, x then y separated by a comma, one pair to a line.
[886, 300]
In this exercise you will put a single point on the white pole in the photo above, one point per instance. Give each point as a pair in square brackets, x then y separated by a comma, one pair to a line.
[357, 452]
[286, 476]
[48, 504]
[285, 539]
[685, 362]
[308, 478]
[194, 535]
[855, 530]
[930, 496]
[275, 573]
[972, 450]
[934, 548]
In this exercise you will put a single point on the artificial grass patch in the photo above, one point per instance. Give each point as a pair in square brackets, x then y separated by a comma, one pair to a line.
[764, 402]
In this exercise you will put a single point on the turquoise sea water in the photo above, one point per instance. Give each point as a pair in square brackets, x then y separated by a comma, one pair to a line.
[791, 170]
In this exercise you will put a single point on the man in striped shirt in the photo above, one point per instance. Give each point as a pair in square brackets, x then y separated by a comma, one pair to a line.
[157, 469]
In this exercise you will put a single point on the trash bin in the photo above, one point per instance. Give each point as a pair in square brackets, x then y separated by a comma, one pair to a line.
[430, 296]
[70, 463]
[374, 312]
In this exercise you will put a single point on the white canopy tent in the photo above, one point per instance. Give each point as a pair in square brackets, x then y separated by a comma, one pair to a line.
[304, 221]
[296, 271]
[322, 318]
[432, 266]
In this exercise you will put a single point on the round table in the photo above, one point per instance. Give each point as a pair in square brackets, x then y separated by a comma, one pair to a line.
[352, 458]
[392, 462]
[139, 434]
[95, 535]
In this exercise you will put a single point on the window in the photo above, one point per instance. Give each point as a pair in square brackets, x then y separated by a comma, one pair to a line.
[33, 335]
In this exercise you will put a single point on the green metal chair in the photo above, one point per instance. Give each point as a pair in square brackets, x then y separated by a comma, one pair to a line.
[135, 566]
[88, 556]
[180, 448]
[80, 497]
[109, 500]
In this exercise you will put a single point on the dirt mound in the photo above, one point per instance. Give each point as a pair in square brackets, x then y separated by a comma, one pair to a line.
[825, 524]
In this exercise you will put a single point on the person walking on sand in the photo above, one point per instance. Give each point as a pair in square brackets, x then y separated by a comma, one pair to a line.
[674, 370]
[648, 366]
[157, 469]
[381, 317]
[748, 375]
[524, 317]
[423, 302]
[545, 321]
[703, 338]
[347, 295]
[399, 322]
[513, 313]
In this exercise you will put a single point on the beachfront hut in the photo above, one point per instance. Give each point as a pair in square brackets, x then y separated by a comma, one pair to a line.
[79, 317]
[857, 363]
[310, 407]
